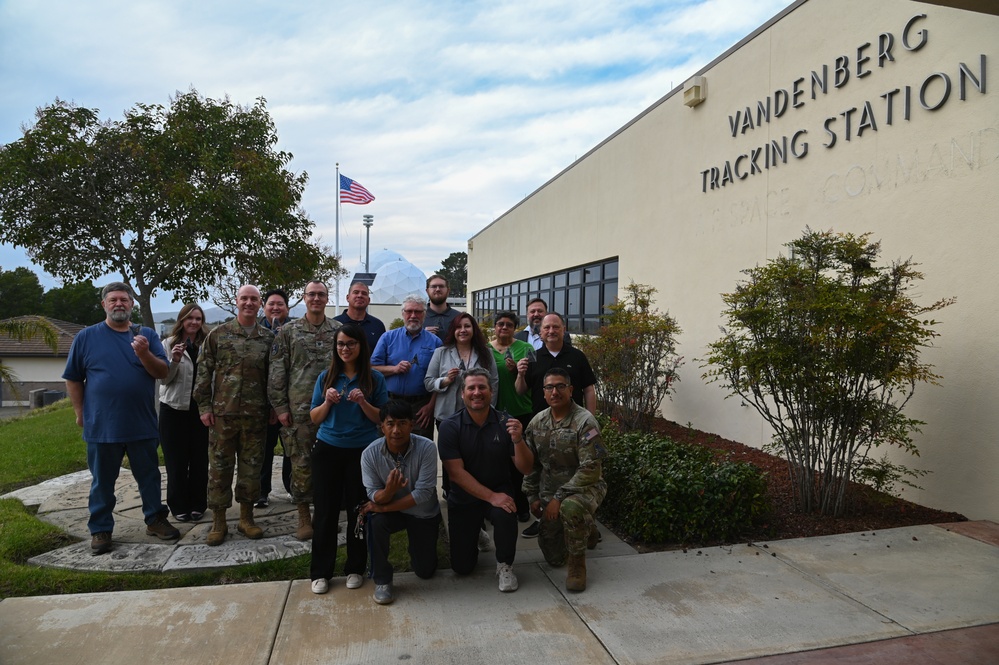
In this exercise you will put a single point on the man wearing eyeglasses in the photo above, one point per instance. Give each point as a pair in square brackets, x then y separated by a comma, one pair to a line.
[566, 485]
[403, 355]
[439, 313]
[301, 351]
[399, 472]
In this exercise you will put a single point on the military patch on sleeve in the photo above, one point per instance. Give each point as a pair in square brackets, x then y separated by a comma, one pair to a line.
[589, 436]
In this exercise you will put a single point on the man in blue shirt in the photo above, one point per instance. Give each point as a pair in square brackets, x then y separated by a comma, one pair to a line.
[402, 356]
[111, 377]
[358, 299]
[400, 476]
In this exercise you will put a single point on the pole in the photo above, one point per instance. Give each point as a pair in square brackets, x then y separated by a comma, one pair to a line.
[368, 221]
[336, 295]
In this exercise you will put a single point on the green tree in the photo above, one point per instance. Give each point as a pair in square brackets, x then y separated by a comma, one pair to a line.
[78, 302]
[455, 270]
[169, 197]
[20, 292]
[825, 345]
[634, 358]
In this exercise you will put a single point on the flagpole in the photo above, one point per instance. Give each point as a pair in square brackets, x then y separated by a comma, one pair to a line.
[336, 302]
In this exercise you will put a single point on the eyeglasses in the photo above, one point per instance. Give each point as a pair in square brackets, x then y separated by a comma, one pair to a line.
[556, 386]
[346, 345]
[436, 287]
[414, 312]
[504, 324]
[314, 295]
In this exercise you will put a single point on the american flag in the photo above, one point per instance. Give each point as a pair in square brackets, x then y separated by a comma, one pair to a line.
[353, 192]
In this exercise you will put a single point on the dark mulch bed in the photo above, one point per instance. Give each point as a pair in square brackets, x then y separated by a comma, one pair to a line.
[867, 511]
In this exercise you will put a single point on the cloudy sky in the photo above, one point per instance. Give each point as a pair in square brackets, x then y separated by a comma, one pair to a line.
[448, 112]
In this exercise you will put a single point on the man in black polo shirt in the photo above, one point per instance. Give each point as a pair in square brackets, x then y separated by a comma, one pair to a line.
[476, 446]
[556, 353]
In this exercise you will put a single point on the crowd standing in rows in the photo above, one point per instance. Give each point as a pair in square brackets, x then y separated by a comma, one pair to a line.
[355, 408]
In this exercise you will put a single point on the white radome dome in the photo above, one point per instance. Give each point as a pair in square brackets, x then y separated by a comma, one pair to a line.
[396, 279]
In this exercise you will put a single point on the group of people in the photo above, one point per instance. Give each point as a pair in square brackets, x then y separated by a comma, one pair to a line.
[356, 408]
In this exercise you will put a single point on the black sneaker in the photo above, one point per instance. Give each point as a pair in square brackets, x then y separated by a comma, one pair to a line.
[101, 542]
[532, 531]
[162, 529]
[262, 502]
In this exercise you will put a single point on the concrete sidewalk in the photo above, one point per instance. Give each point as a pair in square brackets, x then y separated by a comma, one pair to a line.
[927, 594]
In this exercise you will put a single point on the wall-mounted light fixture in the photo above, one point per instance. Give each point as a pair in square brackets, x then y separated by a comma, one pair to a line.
[695, 91]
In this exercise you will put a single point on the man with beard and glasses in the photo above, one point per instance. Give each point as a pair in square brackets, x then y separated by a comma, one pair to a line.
[403, 355]
[111, 378]
[439, 313]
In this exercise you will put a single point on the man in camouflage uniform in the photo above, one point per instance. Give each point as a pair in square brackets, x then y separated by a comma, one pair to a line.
[566, 486]
[231, 392]
[301, 351]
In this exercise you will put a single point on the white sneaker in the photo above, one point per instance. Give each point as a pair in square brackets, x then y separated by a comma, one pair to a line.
[320, 586]
[507, 578]
[354, 581]
[485, 542]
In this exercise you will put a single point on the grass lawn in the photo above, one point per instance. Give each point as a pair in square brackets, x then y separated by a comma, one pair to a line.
[46, 443]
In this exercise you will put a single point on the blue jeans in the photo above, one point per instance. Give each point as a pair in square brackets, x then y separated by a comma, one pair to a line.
[104, 460]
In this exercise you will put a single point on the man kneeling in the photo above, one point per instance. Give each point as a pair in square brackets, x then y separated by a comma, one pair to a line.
[399, 472]
[476, 447]
[566, 485]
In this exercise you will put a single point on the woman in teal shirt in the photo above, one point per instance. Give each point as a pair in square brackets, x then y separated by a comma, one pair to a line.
[345, 405]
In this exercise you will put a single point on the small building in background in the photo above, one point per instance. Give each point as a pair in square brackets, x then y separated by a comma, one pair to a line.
[35, 364]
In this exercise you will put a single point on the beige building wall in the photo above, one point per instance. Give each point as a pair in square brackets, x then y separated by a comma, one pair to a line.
[927, 186]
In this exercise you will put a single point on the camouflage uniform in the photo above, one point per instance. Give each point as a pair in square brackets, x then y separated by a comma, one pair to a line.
[567, 467]
[301, 351]
[232, 384]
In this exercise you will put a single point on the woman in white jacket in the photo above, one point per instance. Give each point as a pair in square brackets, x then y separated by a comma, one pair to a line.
[464, 347]
[182, 435]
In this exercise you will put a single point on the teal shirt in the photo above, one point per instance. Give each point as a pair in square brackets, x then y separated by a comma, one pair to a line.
[345, 425]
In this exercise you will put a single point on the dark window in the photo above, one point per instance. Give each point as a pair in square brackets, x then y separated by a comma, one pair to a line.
[581, 294]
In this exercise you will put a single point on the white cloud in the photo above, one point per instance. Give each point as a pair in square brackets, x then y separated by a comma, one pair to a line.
[450, 113]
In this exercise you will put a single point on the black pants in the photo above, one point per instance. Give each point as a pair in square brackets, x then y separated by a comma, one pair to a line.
[336, 486]
[184, 439]
[464, 522]
[267, 467]
[422, 532]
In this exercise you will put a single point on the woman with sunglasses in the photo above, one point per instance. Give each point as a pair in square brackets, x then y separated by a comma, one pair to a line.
[345, 405]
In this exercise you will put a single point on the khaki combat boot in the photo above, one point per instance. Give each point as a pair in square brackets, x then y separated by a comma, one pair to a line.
[246, 525]
[217, 534]
[575, 579]
[304, 531]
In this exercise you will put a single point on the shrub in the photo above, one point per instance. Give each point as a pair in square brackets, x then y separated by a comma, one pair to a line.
[825, 346]
[661, 491]
[634, 358]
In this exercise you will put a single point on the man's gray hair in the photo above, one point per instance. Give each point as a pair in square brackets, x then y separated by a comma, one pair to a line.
[475, 371]
[117, 286]
[413, 298]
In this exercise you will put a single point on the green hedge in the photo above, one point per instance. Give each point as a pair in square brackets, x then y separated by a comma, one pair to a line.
[661, 491]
